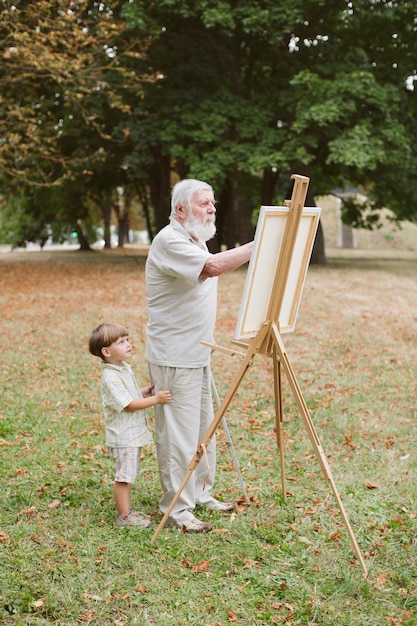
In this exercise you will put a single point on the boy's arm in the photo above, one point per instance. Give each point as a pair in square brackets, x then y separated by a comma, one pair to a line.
[162, 397]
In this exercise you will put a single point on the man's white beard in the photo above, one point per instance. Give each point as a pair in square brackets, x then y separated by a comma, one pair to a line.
[198, 230]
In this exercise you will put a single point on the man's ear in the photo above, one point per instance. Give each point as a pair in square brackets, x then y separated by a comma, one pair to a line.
[180, 210]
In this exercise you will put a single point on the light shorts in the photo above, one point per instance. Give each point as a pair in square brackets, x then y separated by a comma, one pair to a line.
[126, 463]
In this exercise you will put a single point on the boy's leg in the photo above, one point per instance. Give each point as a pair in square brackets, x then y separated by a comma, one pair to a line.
[122, 493]
[127, 463]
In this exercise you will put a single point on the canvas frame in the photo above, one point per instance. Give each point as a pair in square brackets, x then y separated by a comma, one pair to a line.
[264, 267]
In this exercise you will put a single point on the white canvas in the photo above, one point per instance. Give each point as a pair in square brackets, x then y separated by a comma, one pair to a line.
[264, 265]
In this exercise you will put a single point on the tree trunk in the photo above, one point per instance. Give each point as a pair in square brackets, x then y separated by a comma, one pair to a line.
[160, 191]
[123, 229]
[106, 214]
[318, 255]
[82, 239]
[269, 181]
[234, 219]
[142, 193]
[122, 211]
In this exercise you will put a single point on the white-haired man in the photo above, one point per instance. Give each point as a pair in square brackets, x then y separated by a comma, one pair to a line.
[181, 285]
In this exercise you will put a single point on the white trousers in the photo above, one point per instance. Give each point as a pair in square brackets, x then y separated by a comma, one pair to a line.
[180, 426]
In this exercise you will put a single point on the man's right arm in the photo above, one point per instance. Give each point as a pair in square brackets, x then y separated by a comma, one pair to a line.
[221, 262]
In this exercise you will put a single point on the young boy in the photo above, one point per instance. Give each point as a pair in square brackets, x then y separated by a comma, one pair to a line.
[124, 412]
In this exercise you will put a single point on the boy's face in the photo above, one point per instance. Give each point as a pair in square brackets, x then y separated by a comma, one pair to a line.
[118, 351]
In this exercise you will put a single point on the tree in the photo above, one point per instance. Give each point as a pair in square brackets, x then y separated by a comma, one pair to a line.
[240, 94]
[252, 92]
[205, 116]
[363, 119]
[67, 85]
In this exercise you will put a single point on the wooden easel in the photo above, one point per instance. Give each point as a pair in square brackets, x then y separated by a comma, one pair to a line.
[268, 341]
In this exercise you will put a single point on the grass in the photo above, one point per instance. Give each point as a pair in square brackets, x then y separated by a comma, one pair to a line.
[63, 561]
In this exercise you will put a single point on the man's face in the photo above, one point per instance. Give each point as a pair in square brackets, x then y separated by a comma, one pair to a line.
[201, 217]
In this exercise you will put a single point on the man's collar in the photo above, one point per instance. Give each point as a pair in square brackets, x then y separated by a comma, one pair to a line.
[180, 228]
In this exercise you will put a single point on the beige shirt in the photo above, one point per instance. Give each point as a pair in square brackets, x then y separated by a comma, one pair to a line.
[124, 429]
[181, 306]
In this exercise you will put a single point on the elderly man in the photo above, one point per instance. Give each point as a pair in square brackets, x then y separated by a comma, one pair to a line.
[181, 284]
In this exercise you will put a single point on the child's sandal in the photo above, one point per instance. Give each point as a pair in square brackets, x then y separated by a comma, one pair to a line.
[133, 518]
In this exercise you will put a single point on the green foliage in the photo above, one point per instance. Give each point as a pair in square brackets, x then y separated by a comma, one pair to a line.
[359, 214]
[18, 224]
[138, 93]
[279, 86]
[61, 90]
[68, 81]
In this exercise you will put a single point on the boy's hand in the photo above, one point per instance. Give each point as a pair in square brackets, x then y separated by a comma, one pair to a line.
[147, 391]
[163, 396]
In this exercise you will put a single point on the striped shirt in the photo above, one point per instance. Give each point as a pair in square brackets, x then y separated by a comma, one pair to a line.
[124, 429]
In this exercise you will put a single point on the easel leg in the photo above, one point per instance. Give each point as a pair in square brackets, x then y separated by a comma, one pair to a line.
[229, 442]
[279, 420]
[314, 438]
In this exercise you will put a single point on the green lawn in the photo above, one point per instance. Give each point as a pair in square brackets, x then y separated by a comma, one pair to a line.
[354, 353]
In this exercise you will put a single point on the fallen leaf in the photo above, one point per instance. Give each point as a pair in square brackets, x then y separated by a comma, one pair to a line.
[85, 617]
[380, 581]
[28, 512]
[87, 596]
[201, 567]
